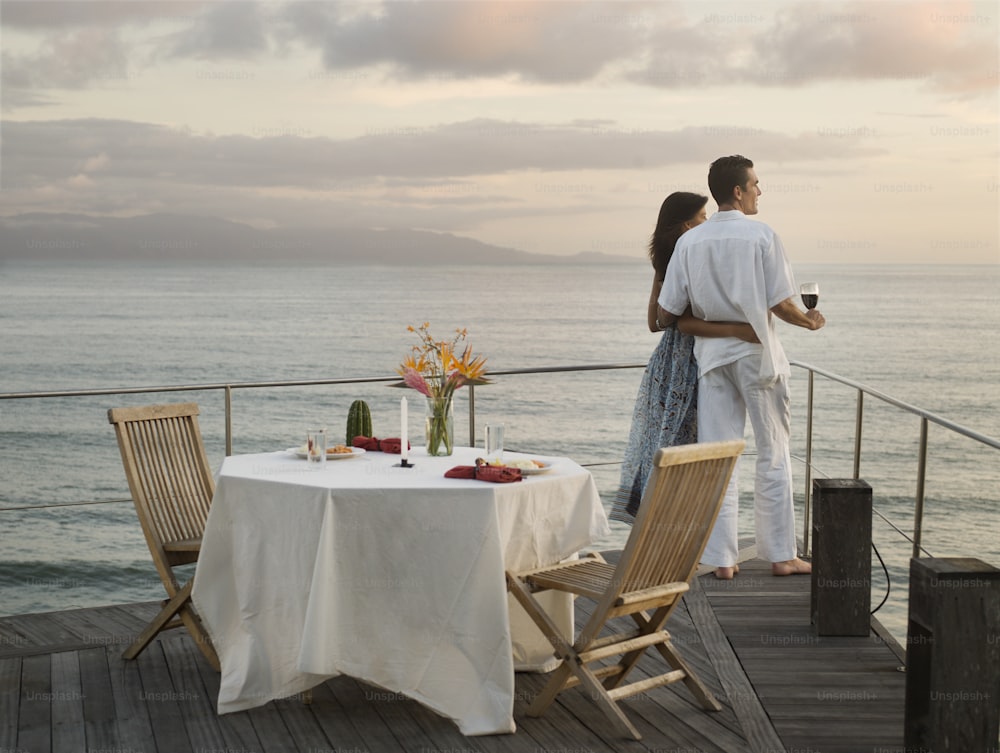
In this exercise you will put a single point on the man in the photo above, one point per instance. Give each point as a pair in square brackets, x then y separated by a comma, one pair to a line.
[731, 268]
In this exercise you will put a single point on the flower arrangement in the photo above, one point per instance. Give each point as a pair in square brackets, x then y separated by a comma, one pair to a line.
[435, 370]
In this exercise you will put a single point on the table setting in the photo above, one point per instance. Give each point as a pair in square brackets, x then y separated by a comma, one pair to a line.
[389, 564]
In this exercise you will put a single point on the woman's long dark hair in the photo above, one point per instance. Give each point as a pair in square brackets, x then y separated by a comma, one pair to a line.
[677, 208]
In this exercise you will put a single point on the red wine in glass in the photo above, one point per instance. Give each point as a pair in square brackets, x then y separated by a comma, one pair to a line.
[810, 294]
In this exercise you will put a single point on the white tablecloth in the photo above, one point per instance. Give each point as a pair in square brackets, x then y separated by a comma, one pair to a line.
[391, 575]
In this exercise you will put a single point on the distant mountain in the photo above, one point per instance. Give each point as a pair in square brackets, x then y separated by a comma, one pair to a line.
[192, 238]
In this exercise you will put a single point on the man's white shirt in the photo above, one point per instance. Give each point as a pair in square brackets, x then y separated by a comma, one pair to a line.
[731, 269]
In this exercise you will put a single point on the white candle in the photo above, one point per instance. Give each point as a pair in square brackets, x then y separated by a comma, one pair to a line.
[403, 421]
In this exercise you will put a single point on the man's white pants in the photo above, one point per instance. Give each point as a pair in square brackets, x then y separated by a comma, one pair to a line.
[726, 396]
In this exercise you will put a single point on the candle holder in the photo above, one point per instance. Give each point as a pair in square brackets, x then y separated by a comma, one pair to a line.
[404, 464]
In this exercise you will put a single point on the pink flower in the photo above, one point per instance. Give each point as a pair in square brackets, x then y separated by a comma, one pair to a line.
[415, 380]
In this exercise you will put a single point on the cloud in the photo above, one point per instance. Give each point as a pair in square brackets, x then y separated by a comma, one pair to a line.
[951, 46]
[453, 177]
[770, 43]
[68, 14]
[948, 45]
[226, 30]
[51, 150]
[548, 41]
[71, 59]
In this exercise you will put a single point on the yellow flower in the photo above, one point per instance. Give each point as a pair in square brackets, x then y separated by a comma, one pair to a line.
[434, 368]
[471, 366]
[412, 362]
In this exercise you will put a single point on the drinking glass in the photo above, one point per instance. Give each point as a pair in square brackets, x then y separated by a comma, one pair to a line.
[810, 294]
[494, 443]
[316, 447]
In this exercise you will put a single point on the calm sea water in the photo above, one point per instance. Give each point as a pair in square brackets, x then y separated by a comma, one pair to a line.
[929, 336]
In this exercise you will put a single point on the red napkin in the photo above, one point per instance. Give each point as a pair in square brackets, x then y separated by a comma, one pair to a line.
[365, 443]
[391, 445]
[495, 474]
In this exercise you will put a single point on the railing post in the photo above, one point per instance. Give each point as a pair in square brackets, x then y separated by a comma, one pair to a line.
[952, 656]
[842, 561]
[858, 416]
[229, 419]
[807, 512]
[472, 415]
[918, 512]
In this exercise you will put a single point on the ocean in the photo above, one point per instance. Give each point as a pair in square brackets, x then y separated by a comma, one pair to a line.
[927, 335]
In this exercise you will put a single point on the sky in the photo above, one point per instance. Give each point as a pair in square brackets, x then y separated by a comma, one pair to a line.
[551, 127]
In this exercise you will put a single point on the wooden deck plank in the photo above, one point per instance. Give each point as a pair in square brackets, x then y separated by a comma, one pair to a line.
[691, 728]
[98, 701]
[350, 694]
[827, 693]
[165, 716]
[445, 736]
[87, 627]
[708, 728]
[647, 712]
[68, 733]
[719, 730]
[236, 729]
[337, 724]
[551, 730]
[753, 719]
[131, 622]
[131, 714]
[10, 701]
[310, 723]
[270, 729]
[72, 630]
[749, 640]
[393, 710]
[35, 718]
[39, 631]
[10, 639]
[304, 729]
[200, 719]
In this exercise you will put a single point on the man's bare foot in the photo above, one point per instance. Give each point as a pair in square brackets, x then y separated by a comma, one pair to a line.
[791, 567]
[726, 573]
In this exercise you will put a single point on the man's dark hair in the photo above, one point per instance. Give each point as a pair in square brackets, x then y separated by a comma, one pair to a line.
[725, 174]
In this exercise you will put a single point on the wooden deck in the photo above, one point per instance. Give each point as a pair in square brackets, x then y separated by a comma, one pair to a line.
[64, 687]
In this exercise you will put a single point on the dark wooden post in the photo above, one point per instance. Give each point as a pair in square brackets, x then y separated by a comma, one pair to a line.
[842, 560]
[952, 656]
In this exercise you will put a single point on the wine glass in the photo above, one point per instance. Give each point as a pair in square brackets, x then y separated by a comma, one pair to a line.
[810, 294]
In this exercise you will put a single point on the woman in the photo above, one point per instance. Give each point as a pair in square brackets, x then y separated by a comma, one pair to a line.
[666, 407]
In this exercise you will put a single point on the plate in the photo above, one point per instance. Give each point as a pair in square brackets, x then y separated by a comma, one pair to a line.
[544, 468]
[301, 453]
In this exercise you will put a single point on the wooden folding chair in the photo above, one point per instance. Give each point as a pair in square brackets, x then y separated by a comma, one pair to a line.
[679, 507]
[172, 487]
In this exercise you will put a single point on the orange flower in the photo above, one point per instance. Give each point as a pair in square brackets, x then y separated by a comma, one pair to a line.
[435, 370]
[471, 366]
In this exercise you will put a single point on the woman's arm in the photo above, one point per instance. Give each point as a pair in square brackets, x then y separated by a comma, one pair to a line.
[691, 325]
[658, 319]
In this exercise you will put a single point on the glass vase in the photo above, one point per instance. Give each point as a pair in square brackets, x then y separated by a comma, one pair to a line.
[440, 425]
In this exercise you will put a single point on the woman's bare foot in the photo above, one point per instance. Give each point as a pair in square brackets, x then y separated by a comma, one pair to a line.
[791, 567]
[726, 573]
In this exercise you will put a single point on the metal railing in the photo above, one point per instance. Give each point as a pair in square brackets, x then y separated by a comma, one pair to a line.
[861, 390]
[926, 418]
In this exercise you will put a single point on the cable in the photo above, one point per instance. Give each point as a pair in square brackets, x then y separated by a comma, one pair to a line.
[888, 582]
[64, 504]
